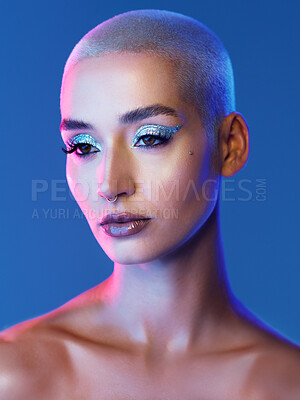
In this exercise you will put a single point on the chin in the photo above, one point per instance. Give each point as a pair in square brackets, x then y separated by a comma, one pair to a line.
[127, 251]
[128, 257]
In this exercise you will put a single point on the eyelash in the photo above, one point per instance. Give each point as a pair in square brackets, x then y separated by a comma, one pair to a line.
[75, 146]
[164, 140]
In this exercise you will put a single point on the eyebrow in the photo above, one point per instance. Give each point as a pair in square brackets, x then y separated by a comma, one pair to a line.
[141, 113]
[129, 117]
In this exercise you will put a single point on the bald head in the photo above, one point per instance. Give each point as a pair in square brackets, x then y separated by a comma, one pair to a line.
[201, 64]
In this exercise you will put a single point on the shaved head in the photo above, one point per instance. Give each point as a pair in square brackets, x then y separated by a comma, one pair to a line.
[200, 62]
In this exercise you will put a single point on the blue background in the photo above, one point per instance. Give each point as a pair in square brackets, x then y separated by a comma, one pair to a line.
[46, 261]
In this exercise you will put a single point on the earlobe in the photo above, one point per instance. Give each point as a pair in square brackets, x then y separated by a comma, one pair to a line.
[234, 144]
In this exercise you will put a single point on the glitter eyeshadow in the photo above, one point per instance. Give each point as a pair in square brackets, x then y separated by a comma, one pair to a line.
[165, 132]
[160, 131]
[85, 139]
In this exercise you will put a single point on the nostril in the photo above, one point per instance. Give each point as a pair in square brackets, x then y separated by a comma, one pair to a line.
[117, 187]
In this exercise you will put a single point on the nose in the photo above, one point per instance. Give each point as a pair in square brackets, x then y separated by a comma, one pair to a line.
[114, 173]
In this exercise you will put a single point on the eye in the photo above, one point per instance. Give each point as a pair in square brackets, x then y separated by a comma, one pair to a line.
[149, 141]
[149, 134]
[83, 148]
[83, 145]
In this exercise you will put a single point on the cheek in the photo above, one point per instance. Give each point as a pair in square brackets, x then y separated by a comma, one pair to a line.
[81, 182]
[181, 180]
[186, 191]
[198, 182]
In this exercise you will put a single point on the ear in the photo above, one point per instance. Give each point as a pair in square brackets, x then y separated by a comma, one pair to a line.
[233, 144]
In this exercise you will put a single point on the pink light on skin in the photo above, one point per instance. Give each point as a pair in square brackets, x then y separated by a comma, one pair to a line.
[98, 91]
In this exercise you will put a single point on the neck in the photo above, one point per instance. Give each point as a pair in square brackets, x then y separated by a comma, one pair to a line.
[178, 298]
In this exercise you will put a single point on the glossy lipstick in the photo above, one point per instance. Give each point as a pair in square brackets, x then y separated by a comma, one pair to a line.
[123, 224]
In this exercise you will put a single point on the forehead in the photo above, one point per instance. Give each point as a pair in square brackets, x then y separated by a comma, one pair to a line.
[118, 82]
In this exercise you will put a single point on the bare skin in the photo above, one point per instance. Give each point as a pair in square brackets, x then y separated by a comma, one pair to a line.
[165, 324]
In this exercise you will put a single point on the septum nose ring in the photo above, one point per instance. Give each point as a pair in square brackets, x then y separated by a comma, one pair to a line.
[113, 199]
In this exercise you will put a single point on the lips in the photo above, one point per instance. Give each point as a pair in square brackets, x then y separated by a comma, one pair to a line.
[122, 217]
[123, 224]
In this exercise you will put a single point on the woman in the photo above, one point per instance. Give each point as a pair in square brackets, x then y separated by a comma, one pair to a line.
[150, 127]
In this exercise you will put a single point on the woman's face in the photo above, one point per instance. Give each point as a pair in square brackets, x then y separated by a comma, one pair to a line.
[175, 189]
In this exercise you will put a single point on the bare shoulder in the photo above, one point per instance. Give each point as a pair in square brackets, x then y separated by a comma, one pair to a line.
[32, 359]
[37, 357]
[272, 369]
[275, 373]
[47, 356]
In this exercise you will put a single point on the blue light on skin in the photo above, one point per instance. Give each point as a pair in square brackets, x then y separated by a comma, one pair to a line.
[160, 131]
[151, 130]
[84, 139]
